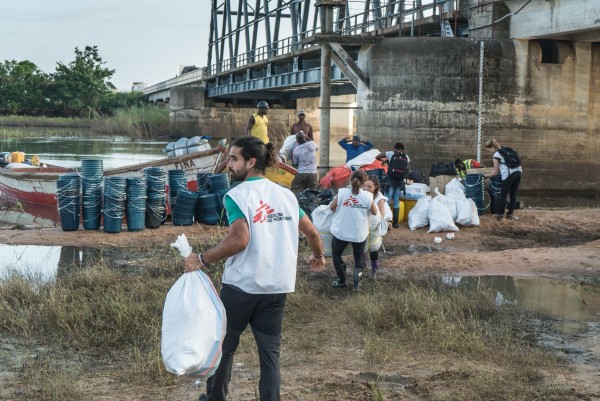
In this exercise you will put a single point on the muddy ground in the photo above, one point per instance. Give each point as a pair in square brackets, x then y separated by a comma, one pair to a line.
[552, 243]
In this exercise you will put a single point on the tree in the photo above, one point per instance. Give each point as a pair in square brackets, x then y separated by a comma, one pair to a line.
[22, 88]
[81, 87]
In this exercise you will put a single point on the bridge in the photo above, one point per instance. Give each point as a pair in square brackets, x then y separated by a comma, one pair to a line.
[275, 45]
[513, 69]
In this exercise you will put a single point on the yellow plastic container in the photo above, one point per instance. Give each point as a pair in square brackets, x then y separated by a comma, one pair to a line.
[408, 205]
[17, 157]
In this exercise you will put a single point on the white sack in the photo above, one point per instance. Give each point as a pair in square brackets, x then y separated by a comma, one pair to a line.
[322, 217]
[454, 186]
[419, 215]
[467, 213]
[448, 202]
[193, 326]
[363, 159]
[439, 217]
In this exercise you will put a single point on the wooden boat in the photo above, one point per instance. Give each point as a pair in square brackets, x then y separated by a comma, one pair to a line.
[281, 174]
[33, 189]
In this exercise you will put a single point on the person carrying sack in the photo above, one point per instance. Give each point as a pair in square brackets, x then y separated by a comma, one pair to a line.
[258, 275]
[398, 162]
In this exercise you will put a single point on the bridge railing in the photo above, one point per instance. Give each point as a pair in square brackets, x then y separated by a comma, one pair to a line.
[357, 24]
[195, 76]
[278, 48]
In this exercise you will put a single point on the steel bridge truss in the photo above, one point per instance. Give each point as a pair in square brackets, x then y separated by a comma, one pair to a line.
[244, 32]
[263, 45]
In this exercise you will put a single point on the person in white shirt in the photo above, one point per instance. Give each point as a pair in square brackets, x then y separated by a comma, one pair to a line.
[383, 211]
[350, 224]
[261, 249]
[511, 179]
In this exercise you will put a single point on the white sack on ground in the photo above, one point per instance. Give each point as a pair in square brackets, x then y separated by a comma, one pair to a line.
[449, 202]
[467, 213]
[418, 215]
[439, 217]
[454, 186]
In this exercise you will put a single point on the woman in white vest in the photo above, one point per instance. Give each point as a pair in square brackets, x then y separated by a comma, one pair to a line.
[350, 224]
[383, 211]
[262, 254]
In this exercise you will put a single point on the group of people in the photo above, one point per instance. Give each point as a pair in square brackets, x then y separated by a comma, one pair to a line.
[261, 246]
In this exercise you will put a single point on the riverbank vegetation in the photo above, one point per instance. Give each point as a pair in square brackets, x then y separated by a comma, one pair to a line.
[78, 94]
[95, 332]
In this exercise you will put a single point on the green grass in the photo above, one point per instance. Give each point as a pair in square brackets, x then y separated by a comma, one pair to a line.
[138, 122]
[478, 351]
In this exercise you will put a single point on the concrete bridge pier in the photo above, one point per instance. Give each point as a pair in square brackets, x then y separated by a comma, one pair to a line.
[185, 110]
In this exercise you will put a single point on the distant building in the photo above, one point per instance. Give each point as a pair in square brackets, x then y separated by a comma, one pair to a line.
[184, 69]
[138, 86]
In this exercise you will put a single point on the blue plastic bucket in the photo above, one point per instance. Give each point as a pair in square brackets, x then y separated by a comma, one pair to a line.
[474, 190]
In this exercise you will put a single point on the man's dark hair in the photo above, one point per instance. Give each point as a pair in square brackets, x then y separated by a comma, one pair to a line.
[253, 148]
[399, 146]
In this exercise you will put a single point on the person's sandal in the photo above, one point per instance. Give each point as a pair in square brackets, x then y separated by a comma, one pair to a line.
[499, 217]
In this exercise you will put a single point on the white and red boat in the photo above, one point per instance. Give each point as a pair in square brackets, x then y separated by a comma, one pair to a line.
[33, 189]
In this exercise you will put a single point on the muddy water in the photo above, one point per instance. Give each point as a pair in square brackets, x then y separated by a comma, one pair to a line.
[569, 314]
[49, 263]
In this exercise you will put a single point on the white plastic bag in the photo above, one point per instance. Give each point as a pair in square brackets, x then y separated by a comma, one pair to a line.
[447, 201]
[183, 246]
[439, 217]
[454, 186]
[363, 159]
[467, 213]
[419, 215]
[193, 326]
[322, 217]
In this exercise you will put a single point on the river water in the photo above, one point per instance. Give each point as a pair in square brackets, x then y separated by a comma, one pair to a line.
[67, 147]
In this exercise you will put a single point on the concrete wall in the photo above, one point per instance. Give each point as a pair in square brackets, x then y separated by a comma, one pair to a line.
[189, 115]
[424, 92]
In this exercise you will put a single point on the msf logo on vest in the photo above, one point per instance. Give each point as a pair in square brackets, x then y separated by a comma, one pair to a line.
[268, 214]
[353, 202]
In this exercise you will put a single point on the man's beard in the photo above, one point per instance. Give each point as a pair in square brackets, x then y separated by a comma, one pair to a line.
[240, 175]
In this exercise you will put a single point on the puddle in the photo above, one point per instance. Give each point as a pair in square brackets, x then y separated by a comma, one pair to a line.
[572, 304]
[47, 263]
[570, 313]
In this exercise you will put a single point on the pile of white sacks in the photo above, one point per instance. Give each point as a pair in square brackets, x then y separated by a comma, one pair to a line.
[443, 212]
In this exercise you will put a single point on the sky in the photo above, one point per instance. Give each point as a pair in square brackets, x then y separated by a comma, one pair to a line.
[143, 41]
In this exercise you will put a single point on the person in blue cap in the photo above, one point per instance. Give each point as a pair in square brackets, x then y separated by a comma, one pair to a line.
[354, 147]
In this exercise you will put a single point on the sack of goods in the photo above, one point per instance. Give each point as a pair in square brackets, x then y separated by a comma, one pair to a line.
[185, 146]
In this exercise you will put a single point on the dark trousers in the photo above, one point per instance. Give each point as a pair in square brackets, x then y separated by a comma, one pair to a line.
[338, 246]
[264, 313]
[510, 186]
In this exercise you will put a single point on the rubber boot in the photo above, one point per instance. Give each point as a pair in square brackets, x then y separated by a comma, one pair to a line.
[396, 215]
[374, 268]
[340, 281]
[358, 272]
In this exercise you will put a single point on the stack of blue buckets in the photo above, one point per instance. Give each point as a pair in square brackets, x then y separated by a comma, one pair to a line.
[183, 212]
[135, 208]
[155, 196]
[210, 208]
[91, 185]
[68, 193]
[177, 182]
[114, 203]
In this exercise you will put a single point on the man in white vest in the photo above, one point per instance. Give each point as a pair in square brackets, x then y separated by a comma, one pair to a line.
[262, 254]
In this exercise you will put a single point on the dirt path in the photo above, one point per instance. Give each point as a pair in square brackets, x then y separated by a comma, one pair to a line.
[541, 242]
